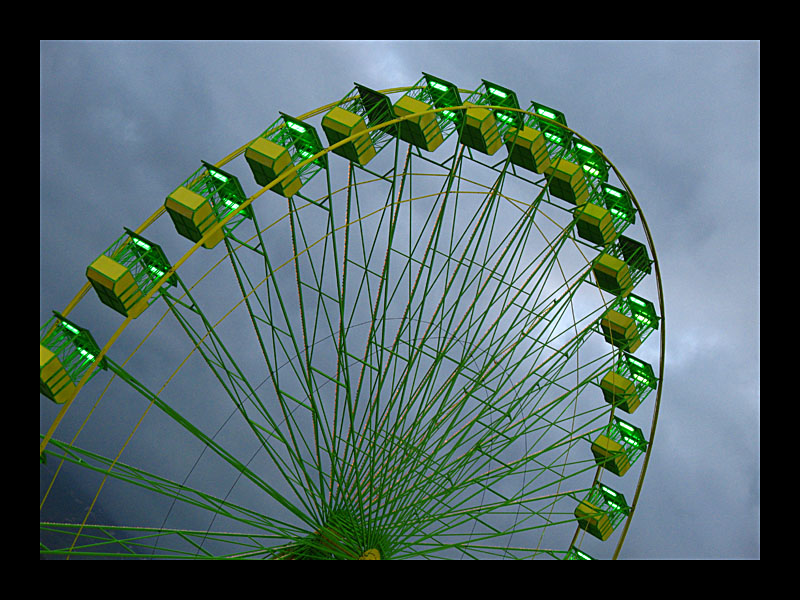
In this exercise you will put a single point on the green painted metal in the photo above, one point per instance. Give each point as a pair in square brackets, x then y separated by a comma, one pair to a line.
[430, 91]
[304, 141]
[224, 194]
[73, 346]
[492, 94]
[418, 373]
[638, 370]
[444, 94]
[576, 554]
[371, 108]
[145, 259]
[589, 158]
[642, 310]
[376, 109]
[619, 203]
[633, 255]
[629, 436]
[547, 120]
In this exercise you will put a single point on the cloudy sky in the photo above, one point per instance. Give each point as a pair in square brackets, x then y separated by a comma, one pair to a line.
[121, 122]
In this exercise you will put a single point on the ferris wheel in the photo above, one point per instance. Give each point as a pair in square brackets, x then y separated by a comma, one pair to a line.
[417, 338]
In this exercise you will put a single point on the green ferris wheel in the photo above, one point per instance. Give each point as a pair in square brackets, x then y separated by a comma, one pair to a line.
[418, 337]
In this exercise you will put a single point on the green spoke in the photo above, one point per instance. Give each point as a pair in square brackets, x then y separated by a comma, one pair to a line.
[170, 489]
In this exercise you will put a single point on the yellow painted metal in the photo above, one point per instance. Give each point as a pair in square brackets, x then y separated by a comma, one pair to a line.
[269, 161]
[421, 130]
[160, 210]
[339, 124]
[177, 264]
[371, 554]
[593, 520]
[54, 381]
[620, 331]
[526, 148]
[479, 130]
[568, 181]
[595, 224]
[116, 287]
[610, 455]
[620, 392]
[612, 275]
[193, 216]
[662, 349]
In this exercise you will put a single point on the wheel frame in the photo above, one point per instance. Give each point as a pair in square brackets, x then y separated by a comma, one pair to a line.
[216, 228]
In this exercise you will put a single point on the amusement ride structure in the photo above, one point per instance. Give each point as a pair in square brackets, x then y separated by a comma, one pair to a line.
[417, 338]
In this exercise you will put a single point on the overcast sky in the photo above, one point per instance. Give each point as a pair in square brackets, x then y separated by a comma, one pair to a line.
[121, 123]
